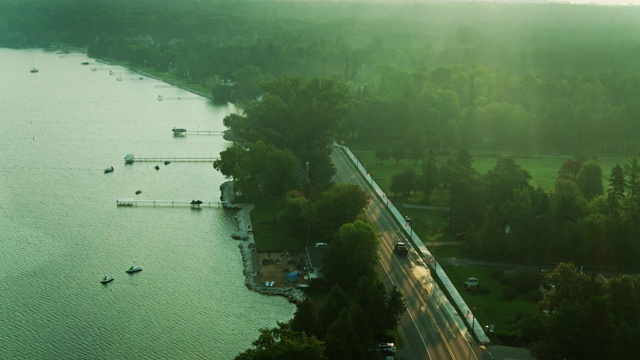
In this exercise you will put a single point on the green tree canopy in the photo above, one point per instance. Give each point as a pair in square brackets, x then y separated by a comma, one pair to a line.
[339, 205]
[283, 343]
[352, 254]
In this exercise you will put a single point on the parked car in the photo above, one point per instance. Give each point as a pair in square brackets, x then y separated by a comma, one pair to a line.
[322, 245]
[401, 248]
[471, 282]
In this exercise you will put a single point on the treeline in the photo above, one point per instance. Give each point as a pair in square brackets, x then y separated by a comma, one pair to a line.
[528, 78]
[354, 314]
[502, 217]
[583, 317]
[284, 155]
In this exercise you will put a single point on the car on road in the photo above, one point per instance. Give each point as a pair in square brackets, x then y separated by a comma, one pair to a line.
[386, 348]
[401, 248]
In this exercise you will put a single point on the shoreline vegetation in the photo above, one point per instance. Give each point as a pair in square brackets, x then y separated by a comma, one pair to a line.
[248, 250]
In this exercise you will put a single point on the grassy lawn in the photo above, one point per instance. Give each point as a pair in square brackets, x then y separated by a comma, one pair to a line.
[491, 308]
[450, 251]
[267, 234]
[429, 225]
[543, 170]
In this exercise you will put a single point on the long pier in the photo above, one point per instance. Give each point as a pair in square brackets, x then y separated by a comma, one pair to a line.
[132, 78]
[177, 159]
[169, 203]
[203, 132]
[161, 97]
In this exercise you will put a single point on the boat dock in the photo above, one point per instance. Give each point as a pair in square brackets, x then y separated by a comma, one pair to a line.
[183, 132]
[202, 132]
[160, 98]
[170, 203]
[130, 159]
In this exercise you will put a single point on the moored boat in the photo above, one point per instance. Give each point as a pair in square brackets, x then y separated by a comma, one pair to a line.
[107, 279]
[108, 170]
[133, 269]
[179, 131]
[33, 68]
[129, 158]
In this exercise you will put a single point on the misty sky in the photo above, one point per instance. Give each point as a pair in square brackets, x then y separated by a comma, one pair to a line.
[606, 2]
[595, 2]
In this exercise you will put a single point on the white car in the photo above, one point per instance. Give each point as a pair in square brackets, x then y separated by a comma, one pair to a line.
[471, 282]
[387, 348]
[323, 245]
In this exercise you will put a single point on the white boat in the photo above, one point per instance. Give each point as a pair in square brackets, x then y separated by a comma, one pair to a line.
[133, 269]
[128, 159]
[179, 131]
[33, 68]
[107, 279]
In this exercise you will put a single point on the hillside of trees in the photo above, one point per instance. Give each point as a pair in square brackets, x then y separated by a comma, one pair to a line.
[527, 78]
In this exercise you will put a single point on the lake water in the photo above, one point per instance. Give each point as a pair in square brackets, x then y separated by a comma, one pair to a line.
[61, 231]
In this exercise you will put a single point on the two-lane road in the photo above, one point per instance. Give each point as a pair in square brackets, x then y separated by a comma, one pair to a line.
[430, 328]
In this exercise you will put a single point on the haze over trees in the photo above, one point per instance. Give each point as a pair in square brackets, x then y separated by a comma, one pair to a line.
[531, 78]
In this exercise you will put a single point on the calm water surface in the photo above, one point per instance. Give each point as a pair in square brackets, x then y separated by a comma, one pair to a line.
[60, 229]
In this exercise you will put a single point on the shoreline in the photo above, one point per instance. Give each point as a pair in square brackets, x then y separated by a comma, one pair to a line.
[248, 248]
[244, 233]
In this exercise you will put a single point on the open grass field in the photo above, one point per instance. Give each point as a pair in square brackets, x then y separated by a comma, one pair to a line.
[543, 170]
[491, 308]
[269, 236]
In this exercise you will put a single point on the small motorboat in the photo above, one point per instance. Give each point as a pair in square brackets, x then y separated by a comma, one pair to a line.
[129, 158]
[108, 170]
[133, 269]
[138, 192]
[157, 167]
[167, 162]
[106, 280]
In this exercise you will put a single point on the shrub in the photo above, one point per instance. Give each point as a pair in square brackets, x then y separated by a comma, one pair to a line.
[523, 281]
[509, 293]
[535, 295]
[479, 290]
[496, 273]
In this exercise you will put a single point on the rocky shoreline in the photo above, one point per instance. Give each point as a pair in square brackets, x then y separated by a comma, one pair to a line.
[248, 249]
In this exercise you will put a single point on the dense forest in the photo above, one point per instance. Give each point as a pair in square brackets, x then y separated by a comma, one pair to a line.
[527, 78]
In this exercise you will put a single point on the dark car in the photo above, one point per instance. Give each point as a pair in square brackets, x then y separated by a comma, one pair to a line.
[401, 248]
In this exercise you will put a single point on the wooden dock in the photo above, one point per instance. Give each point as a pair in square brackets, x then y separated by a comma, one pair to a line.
[174, 159]
[204, 132]
[169, 203]
[161, 97]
